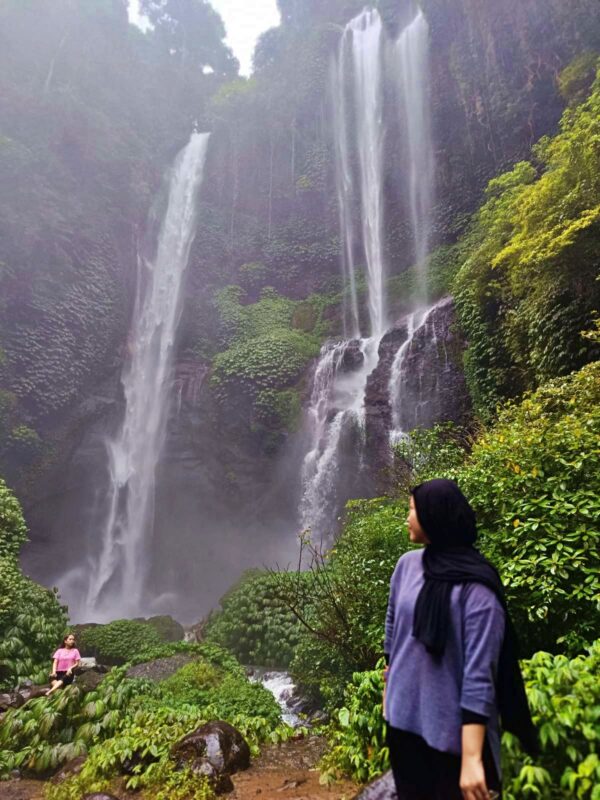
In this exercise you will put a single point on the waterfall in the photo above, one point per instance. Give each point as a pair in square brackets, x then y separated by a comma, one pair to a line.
[336, 415]
[335, 419]
[117, 576]
[411, 59]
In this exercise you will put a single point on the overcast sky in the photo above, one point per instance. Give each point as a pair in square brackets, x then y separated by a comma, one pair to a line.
[244, 20]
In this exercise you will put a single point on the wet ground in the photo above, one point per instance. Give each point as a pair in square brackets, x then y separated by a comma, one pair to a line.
[288, 772]
[282, 772]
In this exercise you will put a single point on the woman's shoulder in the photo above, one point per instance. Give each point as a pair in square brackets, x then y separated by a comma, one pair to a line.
[411, 560]
[478, 596]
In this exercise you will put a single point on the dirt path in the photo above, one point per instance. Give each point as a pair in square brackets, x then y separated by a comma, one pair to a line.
[282, 772]
[288, 772]
[21, 790]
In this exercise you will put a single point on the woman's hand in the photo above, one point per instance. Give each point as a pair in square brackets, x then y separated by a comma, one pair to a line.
[472, 779]
[472, 774]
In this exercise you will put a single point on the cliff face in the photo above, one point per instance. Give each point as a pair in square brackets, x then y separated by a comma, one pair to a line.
[495, 68]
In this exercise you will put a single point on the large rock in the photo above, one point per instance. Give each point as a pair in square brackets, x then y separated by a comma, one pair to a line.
[381, 789]
[216, 750]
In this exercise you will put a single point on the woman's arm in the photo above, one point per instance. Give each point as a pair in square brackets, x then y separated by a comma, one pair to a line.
[472, 774]
[54, 663]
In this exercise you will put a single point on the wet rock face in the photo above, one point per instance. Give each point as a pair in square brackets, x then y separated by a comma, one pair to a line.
[433, 387]
[353, 357]
[381, 789]
[215, 750]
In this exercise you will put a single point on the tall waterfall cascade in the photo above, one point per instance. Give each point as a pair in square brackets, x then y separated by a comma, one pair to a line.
[411, 59]
[116, 574]
[335, 419]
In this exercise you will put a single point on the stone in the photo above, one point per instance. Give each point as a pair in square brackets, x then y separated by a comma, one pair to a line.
[72, 767]
[90, 678]
[10, 700]
[215, 750]
[381, 789]
[353, 357]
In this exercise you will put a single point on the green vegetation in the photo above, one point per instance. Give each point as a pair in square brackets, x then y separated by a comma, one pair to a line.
[270, 343]
[117, 642]
[254, 624]
[527, 287]
[32, 621]
[534, 480]
[128, 726]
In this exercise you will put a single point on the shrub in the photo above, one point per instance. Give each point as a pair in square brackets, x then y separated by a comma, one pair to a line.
[564, 696]
[119, 641]
[32, 621]
[357, 731]
[534, 481]
[254, 624]
[13, 532]
[343, 598]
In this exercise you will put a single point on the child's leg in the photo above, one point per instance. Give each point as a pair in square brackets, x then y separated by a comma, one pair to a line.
[55, 685]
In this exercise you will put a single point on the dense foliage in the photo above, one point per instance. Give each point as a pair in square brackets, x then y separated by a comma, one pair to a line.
[342, 599]
[534, 480]
[527, 287]
[117, 642]
[32, 621]
[128, 726]
[254, 623]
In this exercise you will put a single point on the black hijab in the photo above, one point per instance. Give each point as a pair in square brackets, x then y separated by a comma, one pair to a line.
[448, 520]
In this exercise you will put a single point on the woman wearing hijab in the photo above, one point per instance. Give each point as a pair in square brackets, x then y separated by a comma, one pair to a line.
[451, 653]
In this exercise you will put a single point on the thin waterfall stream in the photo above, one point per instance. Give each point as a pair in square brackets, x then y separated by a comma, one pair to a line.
[116, 573]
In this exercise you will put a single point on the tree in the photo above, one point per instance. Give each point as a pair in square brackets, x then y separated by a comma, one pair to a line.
[192, 31]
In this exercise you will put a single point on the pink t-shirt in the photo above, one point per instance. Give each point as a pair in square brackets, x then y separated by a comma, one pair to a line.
[65, 658]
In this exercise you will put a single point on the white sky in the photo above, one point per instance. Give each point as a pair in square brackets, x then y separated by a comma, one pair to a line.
[244, 20]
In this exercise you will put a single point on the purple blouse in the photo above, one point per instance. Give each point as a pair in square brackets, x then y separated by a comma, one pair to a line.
[425, 695]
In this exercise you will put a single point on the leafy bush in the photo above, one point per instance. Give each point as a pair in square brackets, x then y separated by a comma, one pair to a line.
[13, 532]
[46, 732]
[343, 598]
[534, 481]
[32, 621]
[357, 731]
[254, 623]
[564, 696]
[119, 641]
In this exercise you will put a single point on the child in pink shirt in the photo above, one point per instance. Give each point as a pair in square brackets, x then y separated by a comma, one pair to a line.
[64, 662]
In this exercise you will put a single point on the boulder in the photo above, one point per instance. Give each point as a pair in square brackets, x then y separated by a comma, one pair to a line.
[72, 767]
[88, 679]
[381, 789]
[10, 700]
[215, 750]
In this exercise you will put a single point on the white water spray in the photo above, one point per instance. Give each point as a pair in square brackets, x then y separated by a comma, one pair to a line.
[411, 58]
[117, 578]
